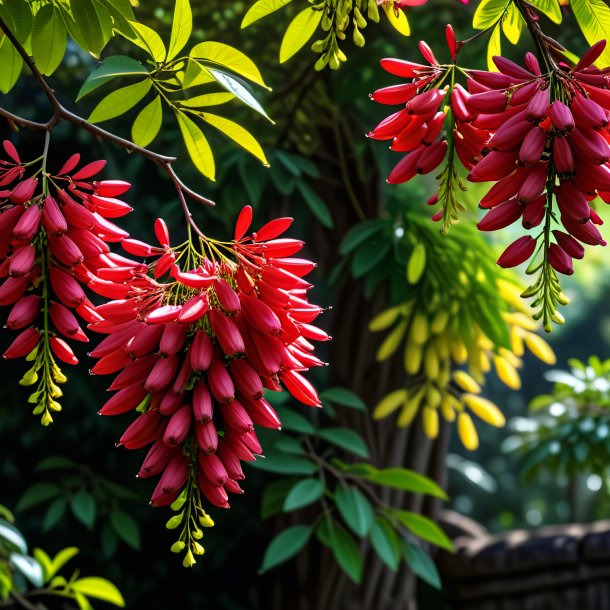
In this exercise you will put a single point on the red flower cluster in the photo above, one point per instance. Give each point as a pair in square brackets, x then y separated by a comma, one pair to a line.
[550, 142]
[54, 234]
[196, 344]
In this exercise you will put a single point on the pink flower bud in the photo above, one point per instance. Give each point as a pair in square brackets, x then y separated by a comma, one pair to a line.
[142, 431]
[589, 144]
[135, 372]
[261, 412]
[23, 344]
[12, 289]
[164, 264]
[215, 494]
[501, 216]
[162, 374]
[228, 300]
[506, 66]
[396, 94]
[246, 379]
[109, 207]
[184, 375]
[533, 146]
[539, 106]
[111, 363]
[230, 460]
[201, 351]
[518, 252]
[62, 350]
[489, 102]
[22, 261]
[586, 232]
[24, 191]
[206, 436]
[494, 166]
[65, 250]
[227, 333]
[569, 244]
[563, 158]
[28, 224]
[233, 487]
[427, 53]
[111, 188]
[139, 248]
[236, 417]
[534, 183]
[590, 56]
[164, 314]
[157, 458]
[524, 94]
[451, 43]
[406, 168]
[65, 322]
[588, 113]
[401, 67]
[511, 133]
[53, 221]
[124, 400]
[202, 403]
[172, 339]
[66, 288]
[572, 202]
[178, 426]
[560, 260]
[534, 212]
[23, 312]
[174, 476]
[194, 309]
[432, 157]
[219, 382]
[212, 468]
[561, 117]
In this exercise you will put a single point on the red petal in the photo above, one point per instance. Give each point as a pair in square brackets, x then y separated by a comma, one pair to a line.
[11, 151]
[95, 167]
[69, 165]
[162, 232]
[273, 229]
[243, 222]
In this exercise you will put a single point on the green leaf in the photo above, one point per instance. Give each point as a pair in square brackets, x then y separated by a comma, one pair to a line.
[112, 67]
[94, 24]
[54, 462]
[369, 254]
[295, 422]
[83, 507]
[494, 48]
[125, 527]
[195, 75]
[196, 145]
[407, 480]
[261, 9]
[99, 588]
[421, 563]
[52, 566]
[272, 501]
[315, 203]
[488, 12]
[48, 39]
[423, 528]
[355, 509]
[298, 33]
[343, 397]
[182, 25]
[344, 548]
[283, 463]
[238, 134]
[37, 494]
[13, 536]
[550, 8]
[11, 63]
[360, 233]
[146, 38]
[120, 101]
[385, 543]
[288, 444]
[285, 546]
[54, 513]
[512, 24]
[18, 17]
[346, 439]
[304, 493]
[28, 567]
[208, 99]
[228, 57]
[148, 123]
[238, 90]
[593, 17]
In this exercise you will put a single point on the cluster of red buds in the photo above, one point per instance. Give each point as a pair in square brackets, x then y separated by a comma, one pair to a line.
[549, 156]
[421, 128]
[194, 339]
[54, 235]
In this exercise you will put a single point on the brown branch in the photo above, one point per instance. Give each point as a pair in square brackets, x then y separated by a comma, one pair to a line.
[60, 113]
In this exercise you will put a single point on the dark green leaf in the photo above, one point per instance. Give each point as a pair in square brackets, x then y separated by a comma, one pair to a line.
[54, 462]
[344, 397]
[112, 67]
[317, 206]
[421, 563]
[407, 480]
[370, 254]
[304, 493]
[344, 548]
[37, 494]
[48, 39]
[274, 496]
[355, 509]
[346, 439]
[386, 543]
[83, 507]
[126, 527]
[54, 513]
[293, 421]
[285, 546]
[359, 233]
[423, 528]
[283, 463]
[288, 444]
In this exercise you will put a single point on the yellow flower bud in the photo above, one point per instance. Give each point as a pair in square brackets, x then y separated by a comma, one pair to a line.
[178, 503]
[392, 341]
[46, 419]
[419, 329]
[516, 341]
[189, 560]
[389, 403]
[29, 378]
[439, 323]
[410, 409]
[433, 396]
[431, 365]
[458, 350]
[485, 409]
[206, 520]
[447, 408]
[177, 546]
[430, 422]
[540, 348]
[175, 521]
[466, 382]
[197, 548]
[467, 432]
[507, 373]
[416, 264]
[413, 358]
[385, 319]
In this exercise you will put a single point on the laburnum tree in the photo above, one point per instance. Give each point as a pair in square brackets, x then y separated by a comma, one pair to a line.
[215, 344]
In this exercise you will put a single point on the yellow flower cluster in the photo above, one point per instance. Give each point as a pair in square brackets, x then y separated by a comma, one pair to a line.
[445, 369]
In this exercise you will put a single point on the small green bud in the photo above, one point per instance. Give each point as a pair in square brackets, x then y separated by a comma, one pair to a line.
[178, 503]
[206, 520]
[175, 521]
[197, 548]
[189, 560]
[30, 378]
[360, 20]
[46, 419]
[197, 534]
[177, 547]
[318, 46]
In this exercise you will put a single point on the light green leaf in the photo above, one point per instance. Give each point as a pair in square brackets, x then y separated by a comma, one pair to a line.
[84, 508]
[237, 89]
[17, 14]
[407, 480]
[344, 548]
[57, 563]
[228, 57]
[125, 527]
[343, 397]
[423, 528]
[550, 8]
[148, 123]
[261, 9]
[48, 39]
[37, 494]
[11, 63]
[304, 493]
[494, 48]
[196, 145]
[94, 24]
[285, 546]
[488, 12]
[346, 439]
[112, 67]
[147, 39]
[512, 24]
[120, 101]
[99, 588]
[386, 543]
[421, 563]
[182, 26]
[355, 509]
[238, 134]
[593, 17]
[298, 33]
[208, 99]
[122, 14]
[195, 75]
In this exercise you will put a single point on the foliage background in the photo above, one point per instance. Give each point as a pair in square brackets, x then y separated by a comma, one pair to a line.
[489, 488]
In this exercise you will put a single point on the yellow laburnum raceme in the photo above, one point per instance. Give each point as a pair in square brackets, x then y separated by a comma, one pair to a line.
[392, 341]
[386, 318]
[390, 403]
[468, 432]
[507, 373]
[485, 409]
[466, 382]
[430, 422]
[540, 348]
[410, 409]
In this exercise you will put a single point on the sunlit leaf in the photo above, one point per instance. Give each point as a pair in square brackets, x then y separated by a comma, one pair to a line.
[182, 26]
[261, 9]
[48, 39]
[112, 67]
[99, 588]
[120, 101]
[148, 123]
[298, 33]
[11, 63]
[146, 38]
[197, 145]
[236, 88]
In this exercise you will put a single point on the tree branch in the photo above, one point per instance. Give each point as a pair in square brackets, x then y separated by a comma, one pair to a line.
[60, 113]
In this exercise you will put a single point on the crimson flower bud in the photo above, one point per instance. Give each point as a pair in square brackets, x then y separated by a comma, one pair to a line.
[236, 417]
[164, 314]
[227, 333]
[170, 403]
[560, 260]
[111, 188]
[228, 300]
[534, 183]
[142, 431]
[201, 352]
[178, 426]
[518, 252]
[215, 494]
[172, 339]
[62, 350]
[206, 436]
[230, 460]
[501, 216]
[23, 344]
[246, 379]
[22, 261]
[65, 250]
[28, 224]
[23, 312]
[157, 458]
[261, 412]
[65, 322]
[135, 372]
[162, 374]
[563, 158]
[219, 381]
[300, 388]
[202, 403]
[534, 212]
[432, 157]
[174, 476]
[588, 113]
[12, 289]
[539, 106]
[124, 400]
[569, 244]
[212, 468]
[53, 220]
[67, 289]
[24, 191]
[561, 117]
[589, 144]
[533, 146]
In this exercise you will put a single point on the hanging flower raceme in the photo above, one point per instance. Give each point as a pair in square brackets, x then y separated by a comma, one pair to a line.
[428, 132]
[54, 235]
[194, 347]
[549, 157]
